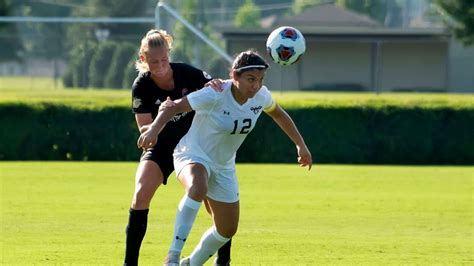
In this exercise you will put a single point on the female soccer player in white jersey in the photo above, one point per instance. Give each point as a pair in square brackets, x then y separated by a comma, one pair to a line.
[204, 158]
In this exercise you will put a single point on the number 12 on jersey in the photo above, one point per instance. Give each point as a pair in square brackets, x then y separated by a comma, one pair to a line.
[246, 125]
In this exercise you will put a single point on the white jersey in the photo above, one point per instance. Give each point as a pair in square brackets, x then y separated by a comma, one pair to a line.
[221, 124]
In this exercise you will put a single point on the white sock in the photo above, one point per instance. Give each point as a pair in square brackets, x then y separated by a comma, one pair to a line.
[210, 242]
[187, 211]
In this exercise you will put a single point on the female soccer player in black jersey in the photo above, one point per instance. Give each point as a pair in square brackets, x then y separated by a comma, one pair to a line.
[157, 80]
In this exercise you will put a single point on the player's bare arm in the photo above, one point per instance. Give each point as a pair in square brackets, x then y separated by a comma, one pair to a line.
[143, 121]
[149, 137]
[285, 122]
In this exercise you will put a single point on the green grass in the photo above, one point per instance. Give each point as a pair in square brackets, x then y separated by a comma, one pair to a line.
[74, 213]
[42, 90]
[29, 83]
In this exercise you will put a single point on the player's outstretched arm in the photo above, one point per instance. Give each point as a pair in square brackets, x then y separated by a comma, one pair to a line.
[149, 137]
[285, 122]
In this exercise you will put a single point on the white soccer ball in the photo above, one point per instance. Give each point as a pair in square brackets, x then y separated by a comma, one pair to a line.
[286, 45]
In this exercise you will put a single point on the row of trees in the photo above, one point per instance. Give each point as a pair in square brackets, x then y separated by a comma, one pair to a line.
[96, 63]
[11, 45]
[103, 65]
[76, 43]
[461, 15]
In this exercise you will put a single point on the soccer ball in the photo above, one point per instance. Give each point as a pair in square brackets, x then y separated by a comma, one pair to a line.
[286, 45]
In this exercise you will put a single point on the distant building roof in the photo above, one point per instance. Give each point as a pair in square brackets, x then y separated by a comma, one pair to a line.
[323, 15]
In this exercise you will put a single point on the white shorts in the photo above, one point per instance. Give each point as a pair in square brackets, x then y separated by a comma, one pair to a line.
[222, 183]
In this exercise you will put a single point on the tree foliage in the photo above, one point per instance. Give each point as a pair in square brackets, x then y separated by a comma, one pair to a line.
[100, 63]
[300, 5]
[120, 59]
[44, 39]
[376, 9]
[187, 47]
[184, 41]
[9, 40]
[462, 11]
[77, 73]
[77, 35]
[130, 73]
[248, 15]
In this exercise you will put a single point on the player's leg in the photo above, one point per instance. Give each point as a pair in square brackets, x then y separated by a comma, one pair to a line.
[226, 219]
[223, 254]
[193, 177]
[223, 199]
[147, 179]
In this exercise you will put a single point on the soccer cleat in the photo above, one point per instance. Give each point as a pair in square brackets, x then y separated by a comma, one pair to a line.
[172, 259]
[185, 262]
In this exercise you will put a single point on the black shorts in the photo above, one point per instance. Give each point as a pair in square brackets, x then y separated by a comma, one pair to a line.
[163, 156]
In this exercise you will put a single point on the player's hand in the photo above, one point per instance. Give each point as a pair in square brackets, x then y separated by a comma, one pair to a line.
[215, 84]
[304, 156]
[166, 104]
[144, 128]
[147, 139]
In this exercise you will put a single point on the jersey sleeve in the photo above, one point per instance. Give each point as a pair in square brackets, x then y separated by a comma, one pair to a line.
[202, 100]
[204, 77]
[269, 103]
[139, 98]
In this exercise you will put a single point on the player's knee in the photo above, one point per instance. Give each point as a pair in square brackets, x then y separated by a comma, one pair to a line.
[198, 191]
[228, 231]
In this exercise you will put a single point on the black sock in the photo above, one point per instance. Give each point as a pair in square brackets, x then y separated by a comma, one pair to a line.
[223, 254]
[136, 228]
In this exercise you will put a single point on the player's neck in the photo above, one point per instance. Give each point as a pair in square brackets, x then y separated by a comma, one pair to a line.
[238, 97]
[165, 82]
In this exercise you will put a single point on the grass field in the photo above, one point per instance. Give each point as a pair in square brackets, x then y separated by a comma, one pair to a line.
[74, 213]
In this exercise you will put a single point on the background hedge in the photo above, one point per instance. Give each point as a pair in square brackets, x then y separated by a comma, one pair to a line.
[374, 135]
[362, 134]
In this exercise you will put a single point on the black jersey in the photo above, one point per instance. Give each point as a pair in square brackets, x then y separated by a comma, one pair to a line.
[147, 97]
